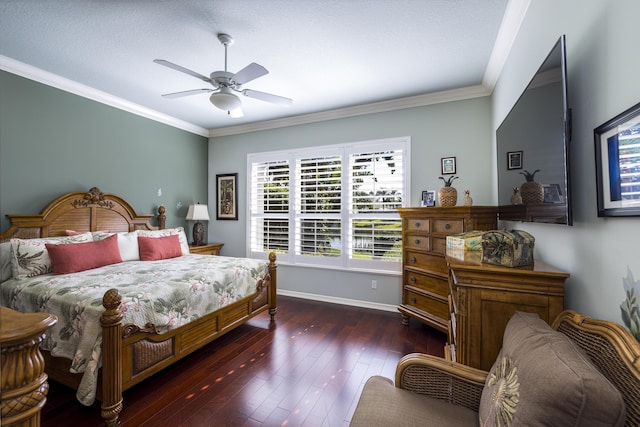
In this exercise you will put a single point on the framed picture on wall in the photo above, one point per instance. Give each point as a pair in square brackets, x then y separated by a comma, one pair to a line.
[227, 196]
[448, 165]
[514, 160]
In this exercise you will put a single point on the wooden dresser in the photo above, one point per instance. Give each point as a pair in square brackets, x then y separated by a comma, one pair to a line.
[23, 381]
[483, 298]
[425, 277]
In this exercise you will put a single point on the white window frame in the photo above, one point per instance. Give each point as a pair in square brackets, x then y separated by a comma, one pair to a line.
[344, 150]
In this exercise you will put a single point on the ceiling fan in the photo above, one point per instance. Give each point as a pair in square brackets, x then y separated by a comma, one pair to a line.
[226, 83]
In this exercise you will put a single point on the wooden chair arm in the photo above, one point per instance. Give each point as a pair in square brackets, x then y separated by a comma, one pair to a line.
[442, 379]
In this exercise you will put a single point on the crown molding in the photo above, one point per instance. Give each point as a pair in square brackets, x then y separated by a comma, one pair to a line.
[359, 110]
[511, 23]
[36, 74]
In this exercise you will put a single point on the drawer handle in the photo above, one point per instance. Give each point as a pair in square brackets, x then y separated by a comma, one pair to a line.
[413, 300]
[447, 226]
[413, 259]
[412, 279]
[417, 224]
[417, 241]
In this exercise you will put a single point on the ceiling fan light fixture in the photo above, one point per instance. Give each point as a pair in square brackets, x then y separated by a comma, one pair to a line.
[236, 114]
[225, 99]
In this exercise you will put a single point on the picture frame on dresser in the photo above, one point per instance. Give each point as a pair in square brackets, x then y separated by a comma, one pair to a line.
[227, 196]
[616, 164]
[428, 198]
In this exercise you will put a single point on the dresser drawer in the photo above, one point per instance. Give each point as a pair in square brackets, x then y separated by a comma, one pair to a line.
[416, 224]
[439, 245]
[428, 304]
[426, 283]
[431, 262]
[414, 241]
[447, 225]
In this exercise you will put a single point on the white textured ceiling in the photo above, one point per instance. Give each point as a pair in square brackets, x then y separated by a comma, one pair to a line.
[324, 54]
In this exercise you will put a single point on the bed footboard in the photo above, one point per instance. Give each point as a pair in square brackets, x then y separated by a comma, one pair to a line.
[131, 353]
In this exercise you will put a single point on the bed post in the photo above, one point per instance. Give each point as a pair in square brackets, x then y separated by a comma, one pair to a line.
[273, 304]
[162, 218]
[111, 321]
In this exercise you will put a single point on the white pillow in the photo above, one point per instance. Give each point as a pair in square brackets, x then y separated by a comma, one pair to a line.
[128, 245]
[29, 257]
[5, 261]
[184, 244]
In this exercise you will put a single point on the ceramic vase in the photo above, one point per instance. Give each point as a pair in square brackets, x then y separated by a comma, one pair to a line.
[467, 200]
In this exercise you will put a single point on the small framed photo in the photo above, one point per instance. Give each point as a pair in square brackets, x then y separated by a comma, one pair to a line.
[448, 165]
[514, 160]
[428, 198]
[552, 193]
[227, 196]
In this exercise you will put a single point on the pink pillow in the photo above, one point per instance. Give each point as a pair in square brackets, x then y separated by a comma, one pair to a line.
[154, 248]
[74, 257]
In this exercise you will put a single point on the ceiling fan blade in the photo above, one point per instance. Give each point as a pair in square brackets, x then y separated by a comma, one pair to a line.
[186, 93]
[263, 96]
[182, 69]
[248, 73]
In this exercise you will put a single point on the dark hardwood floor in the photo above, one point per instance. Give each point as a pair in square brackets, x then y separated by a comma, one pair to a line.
[306, 369]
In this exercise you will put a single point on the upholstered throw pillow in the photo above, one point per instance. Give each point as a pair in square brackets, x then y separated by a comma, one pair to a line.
[29, 257]
[67, 258]
[5, 261]
[542, 378]
[179, 231]
[155, 248]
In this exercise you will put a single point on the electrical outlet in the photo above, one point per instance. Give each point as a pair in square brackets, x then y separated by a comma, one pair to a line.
[374, 284]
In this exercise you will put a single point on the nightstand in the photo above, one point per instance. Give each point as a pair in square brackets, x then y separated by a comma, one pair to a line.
[207, 249]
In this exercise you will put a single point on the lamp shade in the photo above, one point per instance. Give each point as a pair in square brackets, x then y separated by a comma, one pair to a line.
[198, 213]
[225, 99]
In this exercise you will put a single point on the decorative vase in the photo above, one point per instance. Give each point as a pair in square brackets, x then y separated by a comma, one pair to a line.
[531, 191]
[467, 200]
[516, 198]
[448, 195]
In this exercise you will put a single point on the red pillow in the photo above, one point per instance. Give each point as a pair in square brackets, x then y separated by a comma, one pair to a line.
[154, 248]
[74, 257]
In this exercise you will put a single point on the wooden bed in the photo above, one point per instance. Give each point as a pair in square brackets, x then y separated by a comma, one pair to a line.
[131, 353]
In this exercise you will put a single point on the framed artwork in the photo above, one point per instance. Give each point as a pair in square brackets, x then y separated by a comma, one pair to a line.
[618, 164]
[552, 193]
[448, 165]
[227, 196]
[514, 160]
[428, 198]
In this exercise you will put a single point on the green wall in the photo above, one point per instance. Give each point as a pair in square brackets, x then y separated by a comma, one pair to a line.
[461, 129]
[53, 142]
[603, 82]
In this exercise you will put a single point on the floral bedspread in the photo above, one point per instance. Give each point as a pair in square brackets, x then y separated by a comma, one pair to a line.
[168, 293]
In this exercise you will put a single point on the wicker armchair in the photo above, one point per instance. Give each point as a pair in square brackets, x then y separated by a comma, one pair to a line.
[432, 391]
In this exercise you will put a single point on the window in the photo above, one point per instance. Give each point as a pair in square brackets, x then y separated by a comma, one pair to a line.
[330, 206]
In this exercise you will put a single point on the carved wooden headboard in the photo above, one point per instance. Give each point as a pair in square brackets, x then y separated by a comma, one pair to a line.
[78, 211]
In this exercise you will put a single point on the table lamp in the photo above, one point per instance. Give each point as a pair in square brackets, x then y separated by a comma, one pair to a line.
[198, 213]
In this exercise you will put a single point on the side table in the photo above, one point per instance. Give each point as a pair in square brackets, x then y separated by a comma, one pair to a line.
[23, 382]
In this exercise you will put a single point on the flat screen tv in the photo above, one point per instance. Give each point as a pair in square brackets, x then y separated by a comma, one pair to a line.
[533, 143]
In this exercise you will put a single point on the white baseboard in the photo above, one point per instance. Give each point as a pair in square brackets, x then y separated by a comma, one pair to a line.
[336, 300]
